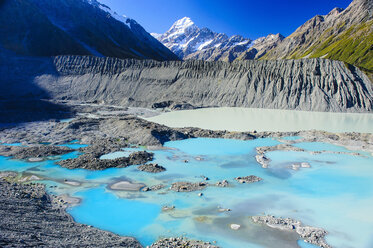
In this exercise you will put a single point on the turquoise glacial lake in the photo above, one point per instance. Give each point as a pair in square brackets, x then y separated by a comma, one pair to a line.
[335, 193]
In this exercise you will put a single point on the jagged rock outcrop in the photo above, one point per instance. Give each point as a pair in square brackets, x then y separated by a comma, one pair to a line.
[307, 84]
[261, 46]
[345, 35]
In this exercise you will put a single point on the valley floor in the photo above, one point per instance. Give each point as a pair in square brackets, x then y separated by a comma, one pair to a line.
[32, 217]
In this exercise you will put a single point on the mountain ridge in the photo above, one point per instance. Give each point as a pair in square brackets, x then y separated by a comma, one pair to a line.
[80, 27]
[345, 35]
[342, 34]
[190, 42]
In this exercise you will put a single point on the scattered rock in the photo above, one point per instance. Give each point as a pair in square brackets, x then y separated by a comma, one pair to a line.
[248, 179]
[152, 168]
[235, 226]
[66, 200]
[153, 188]
[181, 243]
[168, 208]
[187, 186]
[224, 209]
[222, 184]
[263, 160]
[297, 166]
[305, 165]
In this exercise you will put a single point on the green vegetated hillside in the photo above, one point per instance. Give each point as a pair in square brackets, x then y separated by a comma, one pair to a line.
[354, 46]
[345, 35]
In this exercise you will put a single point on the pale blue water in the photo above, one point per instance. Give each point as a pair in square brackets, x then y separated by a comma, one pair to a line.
[122, 216]
[319, 146]
[124, 153]
[291, 138]
[303, 244]
[11, 144]
[74, 145]
[67, 120]
[276, 120]
[336, 193]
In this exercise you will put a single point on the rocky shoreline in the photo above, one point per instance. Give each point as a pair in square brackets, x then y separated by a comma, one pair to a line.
[33, 152]
[312, 235]
[87, 161]
[181, 242]
[31, 218]
[355, 142]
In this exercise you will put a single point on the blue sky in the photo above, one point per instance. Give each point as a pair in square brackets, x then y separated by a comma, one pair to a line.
[250, 18]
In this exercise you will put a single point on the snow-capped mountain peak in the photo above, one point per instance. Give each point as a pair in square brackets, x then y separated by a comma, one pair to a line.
[182, 24]
[181, 27]
[188, 41]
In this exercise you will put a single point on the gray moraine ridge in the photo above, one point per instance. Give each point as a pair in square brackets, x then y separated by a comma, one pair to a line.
[306, 84]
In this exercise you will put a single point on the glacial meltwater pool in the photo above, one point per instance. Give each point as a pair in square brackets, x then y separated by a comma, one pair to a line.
[335, 193]
[276, 120]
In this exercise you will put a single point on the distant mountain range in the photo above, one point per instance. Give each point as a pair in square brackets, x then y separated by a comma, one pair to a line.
[87, 27]
[345, 35]
[188, 41]
[80, 27]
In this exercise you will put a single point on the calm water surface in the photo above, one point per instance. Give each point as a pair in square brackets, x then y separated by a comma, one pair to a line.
[249, 119]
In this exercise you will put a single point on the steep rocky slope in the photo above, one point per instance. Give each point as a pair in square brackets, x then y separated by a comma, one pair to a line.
[261, 46]
[345, 35]
[79, 27]
[308, 84]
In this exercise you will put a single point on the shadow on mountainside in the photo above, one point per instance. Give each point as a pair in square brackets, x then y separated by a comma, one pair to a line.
[20, 99]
